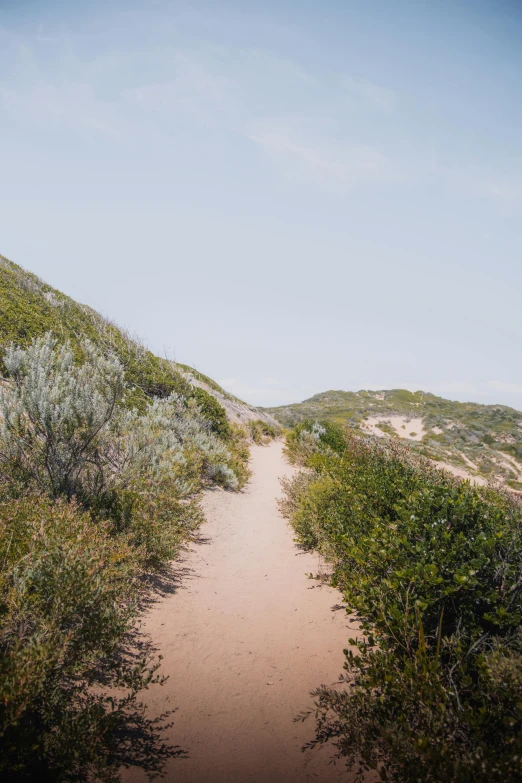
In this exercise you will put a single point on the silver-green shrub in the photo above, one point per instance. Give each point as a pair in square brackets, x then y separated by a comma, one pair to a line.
[55, 412]
[170, 434]
[62, 428]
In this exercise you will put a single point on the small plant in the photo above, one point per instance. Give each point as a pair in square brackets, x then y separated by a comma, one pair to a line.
[309, 437]
[261, 431]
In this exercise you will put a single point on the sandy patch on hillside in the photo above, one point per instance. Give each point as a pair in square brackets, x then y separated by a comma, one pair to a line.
[244, 641]
[468, 462]
[509, 463]
[405, 427]
[514, 465]
[461, 473]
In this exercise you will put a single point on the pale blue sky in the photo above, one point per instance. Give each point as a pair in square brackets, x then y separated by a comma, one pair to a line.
[291, 196]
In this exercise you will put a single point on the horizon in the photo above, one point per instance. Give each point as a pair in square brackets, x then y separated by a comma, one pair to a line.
[288, 199]
[412, 389]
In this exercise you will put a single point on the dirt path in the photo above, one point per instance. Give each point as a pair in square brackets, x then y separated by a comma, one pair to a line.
[244, 641]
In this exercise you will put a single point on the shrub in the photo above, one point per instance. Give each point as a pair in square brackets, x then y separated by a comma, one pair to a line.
[308, 437]
[68, 596]
[63, 431]
[212, 411]
[239, 454]
[261, 431]
[172, 438]
[55, 411]
[432, 567]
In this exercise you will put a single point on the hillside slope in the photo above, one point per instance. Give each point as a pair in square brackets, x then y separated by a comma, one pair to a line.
[29, 308]
[482, 441]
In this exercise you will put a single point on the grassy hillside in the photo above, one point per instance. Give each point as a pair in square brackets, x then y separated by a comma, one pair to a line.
[483, 440]
[30, 308]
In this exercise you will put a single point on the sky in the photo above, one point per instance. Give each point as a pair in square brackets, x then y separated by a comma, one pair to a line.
[289, 196]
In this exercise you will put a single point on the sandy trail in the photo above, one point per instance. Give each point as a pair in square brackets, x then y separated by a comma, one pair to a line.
[244, 640]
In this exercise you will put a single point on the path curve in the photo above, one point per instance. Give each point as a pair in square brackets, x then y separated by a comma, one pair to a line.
[244, 641]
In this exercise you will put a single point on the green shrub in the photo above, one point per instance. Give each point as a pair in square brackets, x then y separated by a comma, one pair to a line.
[69, 594]
[309, 436]
[432, 568]
[261, 431]
[239, 450]
[212, 411]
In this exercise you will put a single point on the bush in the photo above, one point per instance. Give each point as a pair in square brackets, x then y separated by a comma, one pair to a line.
[261, 431]
[308, 437]
[55, 412]
[30, 309]
[212, 411]
[63, 431]
[68, 596]
[239, 454]
[432, 567]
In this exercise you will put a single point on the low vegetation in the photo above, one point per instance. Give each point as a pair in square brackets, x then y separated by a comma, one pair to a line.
[431, 567]
[261, 432]
[483, 440]
[104, 449]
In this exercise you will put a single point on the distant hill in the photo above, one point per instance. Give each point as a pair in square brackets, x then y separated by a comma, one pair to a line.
[481, 441]
[30, 307]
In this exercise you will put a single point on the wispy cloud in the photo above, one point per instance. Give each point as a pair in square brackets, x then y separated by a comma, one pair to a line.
[361, 92]
[325, 160]
[301, 123]
[106, 94]
[185, 82]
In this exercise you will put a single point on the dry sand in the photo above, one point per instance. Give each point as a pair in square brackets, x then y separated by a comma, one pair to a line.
[244, 640]
[404, 426]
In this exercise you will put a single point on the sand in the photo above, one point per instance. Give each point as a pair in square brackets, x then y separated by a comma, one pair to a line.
[244, 640]
[405, 426]
[460, 472]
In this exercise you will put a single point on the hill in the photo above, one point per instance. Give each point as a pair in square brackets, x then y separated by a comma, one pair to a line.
[480, 441]
[30, 308]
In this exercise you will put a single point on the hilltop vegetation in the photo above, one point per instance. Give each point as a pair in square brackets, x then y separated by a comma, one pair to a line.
[480, 440]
